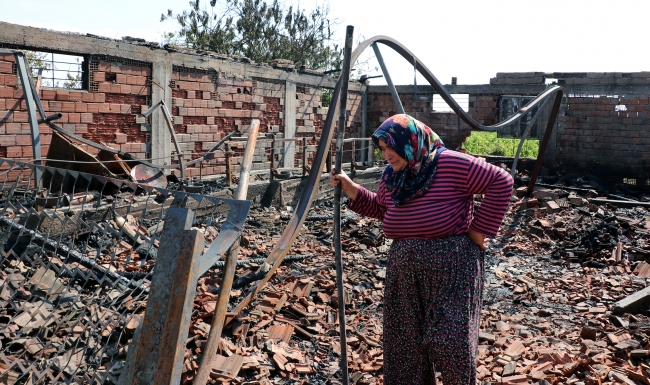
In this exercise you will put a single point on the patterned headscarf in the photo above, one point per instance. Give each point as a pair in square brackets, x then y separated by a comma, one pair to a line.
[420, 146]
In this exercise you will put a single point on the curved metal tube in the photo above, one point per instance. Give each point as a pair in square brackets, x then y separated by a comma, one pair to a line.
[274, 260]
[427, 74]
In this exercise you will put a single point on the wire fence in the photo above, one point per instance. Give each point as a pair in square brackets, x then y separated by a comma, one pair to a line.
[78, 251]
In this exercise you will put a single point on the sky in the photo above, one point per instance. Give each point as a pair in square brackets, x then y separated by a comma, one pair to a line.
[468, 39]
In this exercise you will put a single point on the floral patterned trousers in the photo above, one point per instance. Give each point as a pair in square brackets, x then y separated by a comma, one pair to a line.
[433, 300]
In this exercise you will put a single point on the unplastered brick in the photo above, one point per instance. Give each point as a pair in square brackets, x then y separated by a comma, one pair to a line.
[5, 67]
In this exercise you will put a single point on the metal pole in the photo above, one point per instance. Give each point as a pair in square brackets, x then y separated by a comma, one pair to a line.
[304, 156]
[371, 153]
[170, 126]
[364, 121]
[272, 157]
[544, 143]
[345, 76]
[219, 318]
[354, 158]
[228, 164]
[389, 81]
[28, 92]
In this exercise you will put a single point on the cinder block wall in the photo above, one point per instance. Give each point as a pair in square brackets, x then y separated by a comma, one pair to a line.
[602, 127]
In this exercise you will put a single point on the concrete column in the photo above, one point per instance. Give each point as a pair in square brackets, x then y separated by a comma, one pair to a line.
[161, 139]
[289, 123]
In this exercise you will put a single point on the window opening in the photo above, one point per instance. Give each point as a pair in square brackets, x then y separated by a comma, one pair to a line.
[439, 105]
[58, 70]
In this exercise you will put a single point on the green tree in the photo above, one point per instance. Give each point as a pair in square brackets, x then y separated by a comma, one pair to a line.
[259, 30]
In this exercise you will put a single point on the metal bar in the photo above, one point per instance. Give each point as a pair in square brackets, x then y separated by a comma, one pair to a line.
[364, 120]
[208, 155]
[272, 158]
[179, 309]
[513, 170]
[348, 140]
[26, 82]
[442, 91]
[345, 75]
[275, 258]
[219, 318]
[170, 125]
[143, 354]
[371, 153]
[389, 81]
[228, 153]
[353, 159]
[544, 143]
[304, 156]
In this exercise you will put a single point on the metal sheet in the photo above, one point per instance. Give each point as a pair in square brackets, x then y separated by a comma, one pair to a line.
[149, 176]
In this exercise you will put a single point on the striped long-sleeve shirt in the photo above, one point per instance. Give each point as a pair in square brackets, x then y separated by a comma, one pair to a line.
[447, 207]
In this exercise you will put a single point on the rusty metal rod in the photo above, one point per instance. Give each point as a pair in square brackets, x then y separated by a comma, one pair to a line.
[304, 156]
[389, 81]
[228, 153]
[542, 146]
[170, 126]
[219, 318]
[338, 248]
[272, 158]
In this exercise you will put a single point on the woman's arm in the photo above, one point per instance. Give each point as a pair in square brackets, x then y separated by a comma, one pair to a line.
[350, 188]
[362, 201]
[496, 185]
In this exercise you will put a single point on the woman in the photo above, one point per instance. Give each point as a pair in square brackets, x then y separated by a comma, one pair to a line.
[434, 279]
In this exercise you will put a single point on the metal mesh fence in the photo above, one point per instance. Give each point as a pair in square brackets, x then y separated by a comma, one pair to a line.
[77, 256]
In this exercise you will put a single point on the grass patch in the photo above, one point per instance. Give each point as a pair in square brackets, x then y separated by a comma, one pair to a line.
[487, 143]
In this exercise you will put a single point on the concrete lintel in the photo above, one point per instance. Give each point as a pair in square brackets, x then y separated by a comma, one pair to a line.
[78, 44]
[521, 89]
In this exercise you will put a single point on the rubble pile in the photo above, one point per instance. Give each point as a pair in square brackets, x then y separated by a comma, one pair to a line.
[290, 333]
[562, 278]
[554, 277]
[566, 291]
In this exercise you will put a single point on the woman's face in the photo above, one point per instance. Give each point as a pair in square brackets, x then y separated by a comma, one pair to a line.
[391, 156]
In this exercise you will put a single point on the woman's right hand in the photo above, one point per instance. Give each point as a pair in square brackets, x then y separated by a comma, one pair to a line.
[350, 188]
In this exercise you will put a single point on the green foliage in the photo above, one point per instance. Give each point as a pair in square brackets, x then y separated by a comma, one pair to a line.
[259, 30]
[37, 61]
[326, 98]
[487, 143]
[378, 154]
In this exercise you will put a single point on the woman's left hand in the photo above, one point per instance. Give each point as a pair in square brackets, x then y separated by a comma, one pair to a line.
[477, 238]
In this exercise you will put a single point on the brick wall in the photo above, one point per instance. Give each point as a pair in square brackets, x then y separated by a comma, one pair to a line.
[602, 128]
[594, 137]
[447, 125]
[105, 114]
